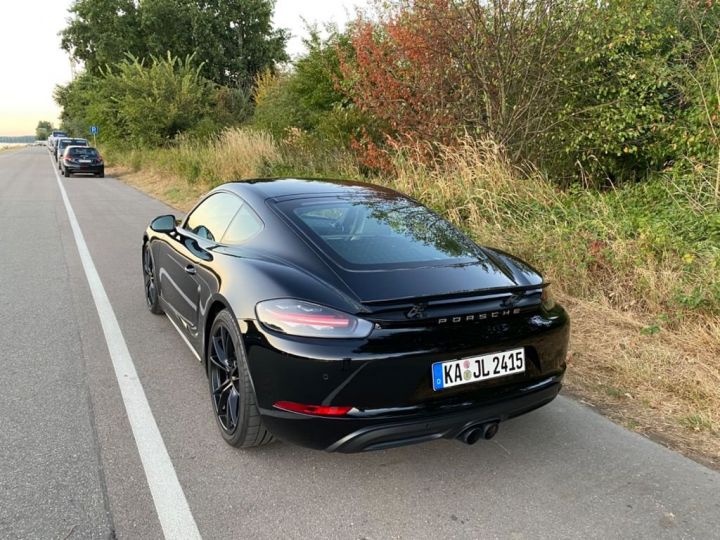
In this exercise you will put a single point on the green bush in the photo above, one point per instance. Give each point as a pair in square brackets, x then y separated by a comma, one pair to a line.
[153, 103]
[307, 101]
[149, 104]
[615, 119]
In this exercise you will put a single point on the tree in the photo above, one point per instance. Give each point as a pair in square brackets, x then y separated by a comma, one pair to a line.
[434, 69]
[306, 105]
[233, 39]
[580, 88]
[83, 101]
[400, 70]
[43, 130]
[153, 103]
[141, 103]
[101, 32]
[621, 98]
[306, 96]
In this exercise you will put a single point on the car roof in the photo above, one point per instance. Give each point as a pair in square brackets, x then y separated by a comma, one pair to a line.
[272, 188]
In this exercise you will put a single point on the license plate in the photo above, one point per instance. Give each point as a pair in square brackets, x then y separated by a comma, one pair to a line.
[85, 161]
[477, 368]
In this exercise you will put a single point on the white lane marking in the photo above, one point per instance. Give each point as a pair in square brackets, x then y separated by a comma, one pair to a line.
[184, 338]
[171, 505]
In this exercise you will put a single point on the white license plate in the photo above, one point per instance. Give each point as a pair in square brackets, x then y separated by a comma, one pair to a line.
[477, 368]
[85, 161]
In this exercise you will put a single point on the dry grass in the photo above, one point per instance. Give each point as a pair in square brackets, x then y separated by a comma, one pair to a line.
[666, 385]
[234, 154]
[179, 175]
[640, 351]
[164, 187]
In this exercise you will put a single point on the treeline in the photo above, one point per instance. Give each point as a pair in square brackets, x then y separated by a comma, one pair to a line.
[600, 92]
[157, 69]
[17, 139]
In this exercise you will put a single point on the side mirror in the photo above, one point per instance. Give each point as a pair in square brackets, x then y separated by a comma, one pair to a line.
[163, 224]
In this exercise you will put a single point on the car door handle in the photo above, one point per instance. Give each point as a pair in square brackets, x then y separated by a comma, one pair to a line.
[190, 269]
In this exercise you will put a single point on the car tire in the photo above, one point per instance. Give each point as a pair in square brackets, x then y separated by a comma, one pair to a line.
[101, 174]
[152, 291]
[66, 173]
[231, 393]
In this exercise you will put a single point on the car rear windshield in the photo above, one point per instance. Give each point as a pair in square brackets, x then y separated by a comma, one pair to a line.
[373, 232]
[83, 152]
[73, 142]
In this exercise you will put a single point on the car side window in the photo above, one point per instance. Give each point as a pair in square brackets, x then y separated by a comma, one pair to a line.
[212, 217]
[244, 226]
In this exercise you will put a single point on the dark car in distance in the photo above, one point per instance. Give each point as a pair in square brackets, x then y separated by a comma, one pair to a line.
[82, 159]
[347, 317]
[62, 144]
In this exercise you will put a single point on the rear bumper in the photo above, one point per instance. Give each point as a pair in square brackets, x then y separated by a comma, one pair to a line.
[76, 168]
[387, 380]
[350, 435]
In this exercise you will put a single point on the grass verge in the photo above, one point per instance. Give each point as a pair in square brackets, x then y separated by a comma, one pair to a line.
[637, 267]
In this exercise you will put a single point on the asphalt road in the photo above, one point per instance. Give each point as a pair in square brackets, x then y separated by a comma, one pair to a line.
[70, 467]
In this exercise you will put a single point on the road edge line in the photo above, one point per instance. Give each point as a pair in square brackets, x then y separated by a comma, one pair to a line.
[171, 506]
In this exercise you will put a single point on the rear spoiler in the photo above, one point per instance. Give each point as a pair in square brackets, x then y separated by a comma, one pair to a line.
[461, 296]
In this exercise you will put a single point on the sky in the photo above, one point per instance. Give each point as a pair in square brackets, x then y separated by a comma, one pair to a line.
[32, 63]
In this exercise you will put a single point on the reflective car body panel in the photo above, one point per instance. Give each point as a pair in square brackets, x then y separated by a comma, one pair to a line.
[422, 313]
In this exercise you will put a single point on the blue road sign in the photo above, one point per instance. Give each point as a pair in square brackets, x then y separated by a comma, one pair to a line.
[94, 130]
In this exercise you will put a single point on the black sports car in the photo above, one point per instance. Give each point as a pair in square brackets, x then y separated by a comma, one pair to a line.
[347, 317]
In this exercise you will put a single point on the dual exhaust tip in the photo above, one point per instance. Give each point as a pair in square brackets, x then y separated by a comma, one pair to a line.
[475, 433]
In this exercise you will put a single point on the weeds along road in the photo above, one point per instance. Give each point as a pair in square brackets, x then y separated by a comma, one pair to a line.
[81, 459]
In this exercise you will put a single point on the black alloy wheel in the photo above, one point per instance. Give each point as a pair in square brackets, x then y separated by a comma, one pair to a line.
[231, 393]
[224, 378]
[151, 291]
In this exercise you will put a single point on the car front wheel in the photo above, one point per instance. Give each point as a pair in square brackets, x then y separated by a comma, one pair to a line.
[231, 393]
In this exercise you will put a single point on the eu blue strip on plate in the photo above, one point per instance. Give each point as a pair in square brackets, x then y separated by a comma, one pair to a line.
[437, 376]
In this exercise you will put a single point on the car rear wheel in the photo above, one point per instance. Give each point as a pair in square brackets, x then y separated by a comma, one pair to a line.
[66, 173]
[231, 392]
[152, 295]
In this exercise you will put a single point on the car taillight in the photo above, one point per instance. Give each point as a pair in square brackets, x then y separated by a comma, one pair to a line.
[300, 318]
[318, 410]
[547, 299]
